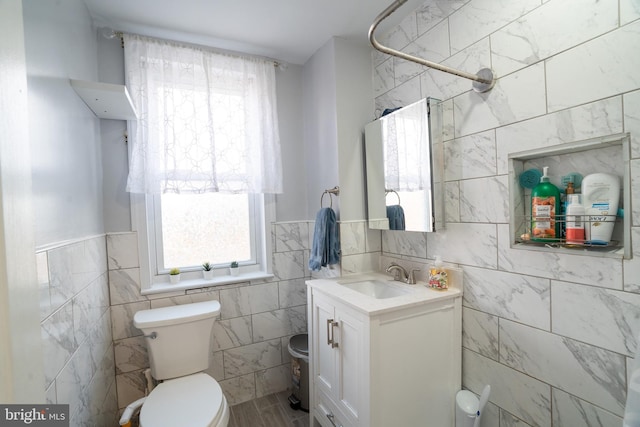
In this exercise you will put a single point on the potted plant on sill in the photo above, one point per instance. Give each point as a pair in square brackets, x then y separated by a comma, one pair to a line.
[234, 269]
[174, 275]
[207, 270]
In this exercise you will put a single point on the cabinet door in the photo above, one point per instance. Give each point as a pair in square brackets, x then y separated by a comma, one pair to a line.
[351, 362]
[325, 355]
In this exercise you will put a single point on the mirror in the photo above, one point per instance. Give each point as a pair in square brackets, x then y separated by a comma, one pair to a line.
[404, 168]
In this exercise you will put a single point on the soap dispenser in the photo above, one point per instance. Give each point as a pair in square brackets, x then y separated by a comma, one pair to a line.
[438, 278]
[545, 206]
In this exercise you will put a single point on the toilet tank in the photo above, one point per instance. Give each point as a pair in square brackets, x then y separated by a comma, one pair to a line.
[178, 338]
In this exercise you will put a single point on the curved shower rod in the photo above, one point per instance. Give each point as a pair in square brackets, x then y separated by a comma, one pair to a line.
[482, 82]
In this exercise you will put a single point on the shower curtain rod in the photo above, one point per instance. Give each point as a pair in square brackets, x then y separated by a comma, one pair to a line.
[482, 82]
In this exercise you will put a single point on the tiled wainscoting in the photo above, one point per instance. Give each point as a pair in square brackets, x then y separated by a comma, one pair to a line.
[76, 331]
[249, 355]
[95, 358]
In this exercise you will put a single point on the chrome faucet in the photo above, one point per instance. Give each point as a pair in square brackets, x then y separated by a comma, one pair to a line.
[401, 275]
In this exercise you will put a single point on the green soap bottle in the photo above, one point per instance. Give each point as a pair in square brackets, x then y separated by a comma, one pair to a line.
[545, 210]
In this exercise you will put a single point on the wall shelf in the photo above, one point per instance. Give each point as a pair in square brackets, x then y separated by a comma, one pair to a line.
[605, 154]
[106, 100]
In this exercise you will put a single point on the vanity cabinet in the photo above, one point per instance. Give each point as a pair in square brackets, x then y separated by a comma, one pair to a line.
[338, 352]
[382, 368]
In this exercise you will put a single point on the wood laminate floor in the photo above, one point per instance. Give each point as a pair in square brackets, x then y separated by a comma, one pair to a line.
[268, 411]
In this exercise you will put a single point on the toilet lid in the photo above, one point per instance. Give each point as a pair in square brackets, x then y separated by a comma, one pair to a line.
[195, 400]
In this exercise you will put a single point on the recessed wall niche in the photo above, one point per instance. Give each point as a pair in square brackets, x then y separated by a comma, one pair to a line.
[609, 154]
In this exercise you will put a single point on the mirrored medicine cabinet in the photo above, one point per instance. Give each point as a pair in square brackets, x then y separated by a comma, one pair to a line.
[404, 169]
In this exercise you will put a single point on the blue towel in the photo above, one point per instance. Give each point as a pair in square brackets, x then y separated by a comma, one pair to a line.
[326, 241]
[395, 214]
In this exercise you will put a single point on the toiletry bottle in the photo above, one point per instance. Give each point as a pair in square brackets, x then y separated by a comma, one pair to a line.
[600, 197]
[575, 220]
[438, 278]
[545, 205]
[570, 189]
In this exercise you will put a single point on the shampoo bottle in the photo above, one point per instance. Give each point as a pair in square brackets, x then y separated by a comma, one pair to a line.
[569, 190]
[600, 196]
[545, 205]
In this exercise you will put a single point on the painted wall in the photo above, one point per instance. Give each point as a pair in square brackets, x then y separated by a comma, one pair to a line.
[353, 109]
[290, 204]
[64, 133]
[21, 372]
[337, 104]
[115, 162]
[320, 128]
[553, 333]
[64, 137]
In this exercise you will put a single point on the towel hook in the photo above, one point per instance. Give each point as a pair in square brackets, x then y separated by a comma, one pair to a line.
[335, 190]
[387, 191]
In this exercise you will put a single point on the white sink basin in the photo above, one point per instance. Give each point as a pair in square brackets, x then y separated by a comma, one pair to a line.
[374, 288]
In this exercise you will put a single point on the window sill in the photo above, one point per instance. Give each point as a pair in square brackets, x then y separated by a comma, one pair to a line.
[183, 285]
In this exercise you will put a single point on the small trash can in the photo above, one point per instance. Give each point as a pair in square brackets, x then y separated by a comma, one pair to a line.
[299, 351]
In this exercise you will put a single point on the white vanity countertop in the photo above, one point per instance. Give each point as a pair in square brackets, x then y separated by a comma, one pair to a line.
[417, 294]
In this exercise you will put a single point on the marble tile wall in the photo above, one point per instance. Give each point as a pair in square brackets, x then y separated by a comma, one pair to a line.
[249, 355]
[360, 247]
[553, 333]
[76, 330]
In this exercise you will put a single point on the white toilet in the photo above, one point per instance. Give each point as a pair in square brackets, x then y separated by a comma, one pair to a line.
[178, 340]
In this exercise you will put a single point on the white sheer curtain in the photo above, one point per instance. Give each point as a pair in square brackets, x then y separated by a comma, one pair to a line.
[207, 121]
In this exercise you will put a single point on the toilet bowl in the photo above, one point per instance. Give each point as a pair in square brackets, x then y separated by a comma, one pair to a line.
[194, 400]
[178, 340]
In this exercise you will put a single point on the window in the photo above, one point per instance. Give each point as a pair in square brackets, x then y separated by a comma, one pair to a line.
[204, 158]
[186, 230]
[214, 227]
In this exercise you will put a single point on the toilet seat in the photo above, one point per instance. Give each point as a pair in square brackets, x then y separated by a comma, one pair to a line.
[195, 401]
